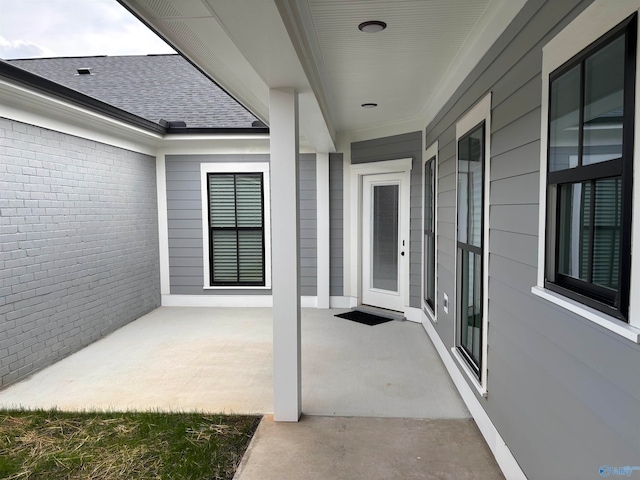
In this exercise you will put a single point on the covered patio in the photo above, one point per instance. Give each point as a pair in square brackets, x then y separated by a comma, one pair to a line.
[377, 401]
[220, 360]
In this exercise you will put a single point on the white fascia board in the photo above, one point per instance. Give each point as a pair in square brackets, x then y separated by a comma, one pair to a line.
[187, 144]
[29, 106]
[203, 144]
[313, 125]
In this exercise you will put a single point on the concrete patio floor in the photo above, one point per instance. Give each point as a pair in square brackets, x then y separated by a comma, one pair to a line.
[220, 360]
[341, 448]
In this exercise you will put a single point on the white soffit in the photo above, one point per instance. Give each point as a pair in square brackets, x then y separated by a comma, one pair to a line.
[411, 68]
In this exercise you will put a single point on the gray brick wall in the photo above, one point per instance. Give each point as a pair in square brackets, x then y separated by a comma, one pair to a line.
[78, 244]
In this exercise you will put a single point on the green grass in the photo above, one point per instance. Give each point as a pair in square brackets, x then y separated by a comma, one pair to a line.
[63, 445]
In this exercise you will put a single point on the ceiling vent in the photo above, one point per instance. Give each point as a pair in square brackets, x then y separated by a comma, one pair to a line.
[84, 71]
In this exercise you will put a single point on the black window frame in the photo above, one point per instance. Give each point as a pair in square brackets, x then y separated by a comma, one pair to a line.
[587, 293]
[239, 283]
[430, 233]
[463, 248]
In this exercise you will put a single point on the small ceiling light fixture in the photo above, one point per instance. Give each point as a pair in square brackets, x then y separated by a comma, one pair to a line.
[372, 26]
[369, 105]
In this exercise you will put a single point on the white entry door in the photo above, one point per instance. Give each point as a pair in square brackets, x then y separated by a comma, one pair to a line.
[385, 244]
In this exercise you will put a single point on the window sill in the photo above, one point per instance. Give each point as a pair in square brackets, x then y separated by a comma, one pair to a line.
[429, 313]
[474, 380]
[245, 287]
[612, 324]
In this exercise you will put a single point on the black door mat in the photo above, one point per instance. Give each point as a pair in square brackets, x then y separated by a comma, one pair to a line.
[364, 318]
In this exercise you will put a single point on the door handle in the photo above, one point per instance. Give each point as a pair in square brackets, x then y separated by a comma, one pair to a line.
[402, 253]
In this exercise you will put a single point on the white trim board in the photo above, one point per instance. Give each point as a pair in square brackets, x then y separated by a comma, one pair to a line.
[343, 302]
[506, 461]
[231, 301]
[163, 224]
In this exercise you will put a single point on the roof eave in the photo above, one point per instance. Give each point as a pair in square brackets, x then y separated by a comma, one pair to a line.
[50, 88]
[219, 130]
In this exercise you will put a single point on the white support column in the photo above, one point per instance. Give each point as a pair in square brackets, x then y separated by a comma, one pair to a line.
[322, 194]
[285, 232]
[163, 223]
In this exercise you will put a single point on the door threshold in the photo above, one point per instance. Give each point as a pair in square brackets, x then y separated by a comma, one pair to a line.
[381, 312]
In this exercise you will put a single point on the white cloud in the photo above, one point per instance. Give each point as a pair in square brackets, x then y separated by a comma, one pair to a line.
[64, 28]
[20, 49]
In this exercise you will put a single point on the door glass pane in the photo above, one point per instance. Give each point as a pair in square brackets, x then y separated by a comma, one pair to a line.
[574, 223]
[606, 242]
[384, 248]
[604, 100]
[564, 120]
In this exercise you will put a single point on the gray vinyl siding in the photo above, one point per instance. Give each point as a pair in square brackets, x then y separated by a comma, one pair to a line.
[563, 393]
[408, 145]
[184, 215]
[78, 244]
[308, 226]
[336, 218]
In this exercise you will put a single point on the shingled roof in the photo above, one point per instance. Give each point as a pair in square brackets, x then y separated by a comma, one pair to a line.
[153, 87]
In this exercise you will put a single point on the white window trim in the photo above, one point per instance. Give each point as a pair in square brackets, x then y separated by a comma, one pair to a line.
[239, 167]
[598, 19]
[429, 153]
[480, 112]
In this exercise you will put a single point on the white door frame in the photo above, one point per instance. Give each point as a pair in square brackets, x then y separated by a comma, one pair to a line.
[357, 172]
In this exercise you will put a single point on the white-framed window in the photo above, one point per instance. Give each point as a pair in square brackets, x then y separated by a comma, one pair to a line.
[236, 225]
[589, 139]
[429, 224]
[473, 137]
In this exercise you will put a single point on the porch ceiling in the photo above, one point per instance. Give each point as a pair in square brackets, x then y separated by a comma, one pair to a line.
[409, 69]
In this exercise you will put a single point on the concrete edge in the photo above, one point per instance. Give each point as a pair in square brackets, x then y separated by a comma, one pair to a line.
[245, 458]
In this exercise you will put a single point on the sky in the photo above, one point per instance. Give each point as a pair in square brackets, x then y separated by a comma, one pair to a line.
[66, 28]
